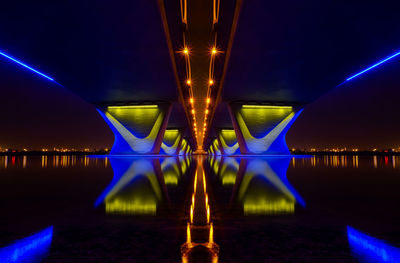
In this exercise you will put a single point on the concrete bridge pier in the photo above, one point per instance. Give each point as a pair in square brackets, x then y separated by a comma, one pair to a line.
[261, 129]
[138, 129]
[172, 141]
[227, 141]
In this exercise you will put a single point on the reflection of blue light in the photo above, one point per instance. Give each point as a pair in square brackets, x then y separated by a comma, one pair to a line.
[371, 249]
[272, 168]
[126, 171]
[373, 66]
[26, 66]
[28, 249]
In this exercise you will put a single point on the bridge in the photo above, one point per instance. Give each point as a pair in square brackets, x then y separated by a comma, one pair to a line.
[176, 77]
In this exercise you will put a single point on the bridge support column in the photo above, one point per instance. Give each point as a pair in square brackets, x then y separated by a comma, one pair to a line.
[217, 147]
[184, 148]
[261, 129]
[138, 129]
[227, 141]
[172, 141]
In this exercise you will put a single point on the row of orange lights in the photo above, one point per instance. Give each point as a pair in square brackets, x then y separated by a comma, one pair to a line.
[214, 51]
[186, 51]
[191, 100]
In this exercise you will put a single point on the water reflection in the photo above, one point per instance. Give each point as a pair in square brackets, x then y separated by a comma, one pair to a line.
[260, 185]
[317, 161]
[264, 188]
[198, 199]
[172, 170]
[200, 229]
[370, 249]
[226, 169]
[136, 188]
[29, 249]
[139, 185]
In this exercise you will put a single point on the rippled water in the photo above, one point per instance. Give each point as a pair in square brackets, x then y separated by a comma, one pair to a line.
[200, 209]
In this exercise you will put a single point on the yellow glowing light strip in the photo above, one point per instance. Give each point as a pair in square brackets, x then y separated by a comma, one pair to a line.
[184, 11]
[266, 107]
[215, 11]
[134, 107]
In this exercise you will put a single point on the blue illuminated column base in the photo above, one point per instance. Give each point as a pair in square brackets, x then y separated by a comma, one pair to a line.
[172, 142]
[227, 141]
[138, 129]
[215, 147]
[261, 129]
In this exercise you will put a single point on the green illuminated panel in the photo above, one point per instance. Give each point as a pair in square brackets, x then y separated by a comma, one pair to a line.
[229, 141]
[140, 120]
[262, 125]
[261, 119]
[171, 141]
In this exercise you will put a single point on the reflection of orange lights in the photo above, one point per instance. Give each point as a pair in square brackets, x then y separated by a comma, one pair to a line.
[196, 238]
[193, 112]
[188, 234]
[191, 100]
[211, 236]
[191, 213]
[204, 183]
[208, 214]
[208, 100]
[206, 111]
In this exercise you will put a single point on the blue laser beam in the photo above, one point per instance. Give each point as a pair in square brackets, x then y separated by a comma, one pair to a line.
[26, 66]
[373, 66]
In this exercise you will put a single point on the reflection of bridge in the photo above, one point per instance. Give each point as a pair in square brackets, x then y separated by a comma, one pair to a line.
[259, 185]
[172, 76]
[139, 185]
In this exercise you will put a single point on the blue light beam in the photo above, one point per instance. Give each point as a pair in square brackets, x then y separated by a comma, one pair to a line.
[370, 249]
[26, 66]
[29, 249]
[373, 66]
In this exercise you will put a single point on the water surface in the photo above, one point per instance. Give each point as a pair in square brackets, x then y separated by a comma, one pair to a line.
[209, 209]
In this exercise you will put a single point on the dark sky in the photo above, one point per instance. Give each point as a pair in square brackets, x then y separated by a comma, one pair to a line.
[362, 115]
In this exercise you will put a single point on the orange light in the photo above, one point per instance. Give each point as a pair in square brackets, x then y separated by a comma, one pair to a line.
[193, 111]
[208, 100]
[186, 51]
[214, 51]
[191, 100]
[208, 214]
[211, 82]
[188, 82]
[191, 214]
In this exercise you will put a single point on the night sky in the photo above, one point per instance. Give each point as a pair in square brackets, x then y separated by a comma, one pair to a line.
[363, 114]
